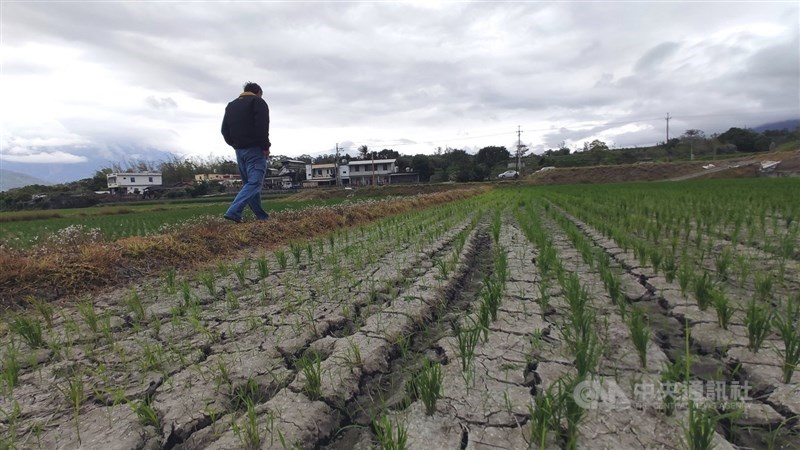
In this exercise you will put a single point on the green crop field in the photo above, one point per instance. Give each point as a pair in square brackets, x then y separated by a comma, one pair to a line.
[638, 315]
[29, 228]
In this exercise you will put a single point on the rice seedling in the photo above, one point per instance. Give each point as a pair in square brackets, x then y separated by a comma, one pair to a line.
[495, 226]
[282, 259]
[640, 333]
[763, 283]
[153, 357]
[701, 427]
[145, 412]
[248, 435]
[232, 301]
[703, 288]
[310, 366]
[428, 385]
[670, 267]
[544, 296]
[491, 295]
[501, 266]
[186, 292]
[105, 328]
[209, 280]
[786, 325]
[640, 252]
[11, 368]
[484, 319]
[296, 249]
[29, 329]
[241, 270]
[583, 343]
[742, 269]
[44, 309]
[722, 307]
[87, 311]
[135, 307]
[671, 375]
[684, 276]
[353, 353]
[390, 436]
[246, 394]
[74, 393]
[723, 261]
[223, 269]
[11, 421]
[757, 320]
[263, 267]
[656, 258]
[444, 268]
[466, 340]
[546, 414]
[169, 281]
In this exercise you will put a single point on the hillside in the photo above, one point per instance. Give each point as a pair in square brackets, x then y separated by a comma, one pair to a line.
[13, 180]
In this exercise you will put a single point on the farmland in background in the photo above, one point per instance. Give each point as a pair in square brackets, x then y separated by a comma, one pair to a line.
[30, 228]
[524, 317]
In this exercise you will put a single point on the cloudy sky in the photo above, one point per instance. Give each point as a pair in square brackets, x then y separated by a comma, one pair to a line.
[101, 81]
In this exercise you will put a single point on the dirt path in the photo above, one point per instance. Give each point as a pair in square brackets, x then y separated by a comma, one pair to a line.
[719, 167]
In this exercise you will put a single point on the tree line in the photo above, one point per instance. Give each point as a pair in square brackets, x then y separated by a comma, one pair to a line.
[445, 164]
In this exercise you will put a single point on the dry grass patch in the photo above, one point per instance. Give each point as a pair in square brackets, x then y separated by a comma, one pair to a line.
[53, 271]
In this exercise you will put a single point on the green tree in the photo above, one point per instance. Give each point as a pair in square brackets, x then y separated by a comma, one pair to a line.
[491, 156]
[745, 140]
[693, 136]
[460, 166]
[423, 165]
[387, 153]
[598, 146]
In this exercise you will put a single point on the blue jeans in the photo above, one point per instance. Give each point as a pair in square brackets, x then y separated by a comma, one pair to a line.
[252, 167]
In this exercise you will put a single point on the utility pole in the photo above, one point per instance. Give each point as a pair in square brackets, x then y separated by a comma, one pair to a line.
[666, 143]
[519, 145]
[521, 148]
[373, 168]
[336, 165]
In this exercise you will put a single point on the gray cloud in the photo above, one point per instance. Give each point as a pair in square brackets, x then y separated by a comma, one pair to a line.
[161, 103]
[656, 56]
[404, 73]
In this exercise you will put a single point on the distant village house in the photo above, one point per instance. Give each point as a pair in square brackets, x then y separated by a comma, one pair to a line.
[132, 182]
[358, 173]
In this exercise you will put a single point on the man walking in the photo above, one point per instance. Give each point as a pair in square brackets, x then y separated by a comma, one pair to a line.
[245, 127]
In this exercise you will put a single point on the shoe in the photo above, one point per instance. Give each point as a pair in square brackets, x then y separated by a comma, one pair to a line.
[233, 219]
[262, 219]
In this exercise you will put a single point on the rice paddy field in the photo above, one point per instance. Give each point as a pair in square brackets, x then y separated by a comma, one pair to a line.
[26, 229]
[627, 316]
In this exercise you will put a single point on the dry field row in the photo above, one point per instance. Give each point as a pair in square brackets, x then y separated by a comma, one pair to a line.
[498, 321]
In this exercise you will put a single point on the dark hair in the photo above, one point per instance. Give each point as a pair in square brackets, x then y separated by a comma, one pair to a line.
[252, 87]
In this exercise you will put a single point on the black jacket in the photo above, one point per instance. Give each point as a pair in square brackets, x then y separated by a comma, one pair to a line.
[246, 122]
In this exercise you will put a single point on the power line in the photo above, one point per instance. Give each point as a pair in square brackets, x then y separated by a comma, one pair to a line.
[631, 120]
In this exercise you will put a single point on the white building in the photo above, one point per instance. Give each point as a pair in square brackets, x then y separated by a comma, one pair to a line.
[369, 172]
[358, 173]
[325, 174]
[132, 183]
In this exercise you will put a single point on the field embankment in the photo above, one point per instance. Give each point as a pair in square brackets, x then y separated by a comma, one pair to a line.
[71, 265]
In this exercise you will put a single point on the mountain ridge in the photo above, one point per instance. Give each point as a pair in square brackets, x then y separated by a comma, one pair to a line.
[12, 180]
